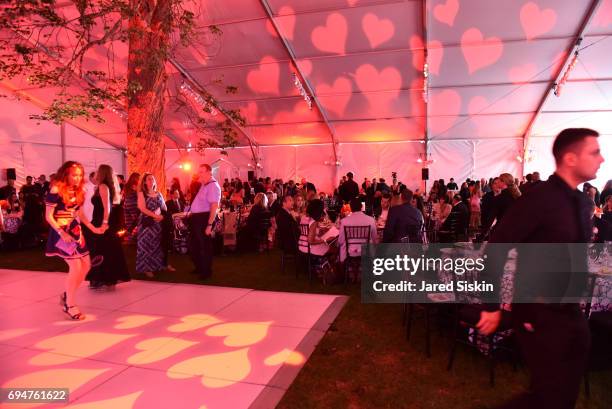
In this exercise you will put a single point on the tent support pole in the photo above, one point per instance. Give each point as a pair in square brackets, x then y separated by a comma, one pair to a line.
[425, 91]
[551, 86]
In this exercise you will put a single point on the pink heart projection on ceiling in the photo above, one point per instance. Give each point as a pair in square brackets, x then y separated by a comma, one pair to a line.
[363, 60]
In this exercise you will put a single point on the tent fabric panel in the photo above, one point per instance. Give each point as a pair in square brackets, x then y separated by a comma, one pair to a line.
[382, 26]
[311, 165]
[78, 137]
[15, 124]
[478, 126]
[503, 19]
[452, 159]
[279, 160]
[399, 129]
[494, 157]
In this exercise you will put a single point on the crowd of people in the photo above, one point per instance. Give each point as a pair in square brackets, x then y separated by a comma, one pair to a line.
[86, 219]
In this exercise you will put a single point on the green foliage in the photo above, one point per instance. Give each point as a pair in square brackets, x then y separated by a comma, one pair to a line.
[50, 46]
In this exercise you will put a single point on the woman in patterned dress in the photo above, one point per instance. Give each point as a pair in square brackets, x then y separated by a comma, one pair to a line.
[130, 205]
[63, 204]
[149, 254]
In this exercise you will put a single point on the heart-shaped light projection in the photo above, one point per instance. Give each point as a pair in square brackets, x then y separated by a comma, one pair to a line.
[158, 349]
[120, 402]
[332, 36]
[286, 356]
[536, 22]
[239, 334]
[378, 31]
[74, 346]
[478, 51]
[14, 333]
[217, 370]
[264, 79]
[447, 12]
[193, 322]
[135, 321]
[339, 95]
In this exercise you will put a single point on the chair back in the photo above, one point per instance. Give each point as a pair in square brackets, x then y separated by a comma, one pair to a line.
[356, 235]
[303, 239]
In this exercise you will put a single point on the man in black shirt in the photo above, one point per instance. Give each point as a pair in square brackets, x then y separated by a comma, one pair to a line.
[452, 185]
[349, 189]
[404, 222]
[553, 338]
[8, 190]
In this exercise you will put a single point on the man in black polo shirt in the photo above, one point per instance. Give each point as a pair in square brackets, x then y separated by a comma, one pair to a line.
[553, 337]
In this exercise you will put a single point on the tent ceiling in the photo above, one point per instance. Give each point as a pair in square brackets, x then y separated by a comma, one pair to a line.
[490, 64]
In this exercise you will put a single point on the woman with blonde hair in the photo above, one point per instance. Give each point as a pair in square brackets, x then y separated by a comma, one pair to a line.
[504, 200]
[63, 205]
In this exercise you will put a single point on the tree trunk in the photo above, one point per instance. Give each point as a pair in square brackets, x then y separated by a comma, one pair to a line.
[147, 80]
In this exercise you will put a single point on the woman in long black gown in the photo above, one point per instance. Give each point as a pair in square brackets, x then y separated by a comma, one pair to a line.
[108, 265]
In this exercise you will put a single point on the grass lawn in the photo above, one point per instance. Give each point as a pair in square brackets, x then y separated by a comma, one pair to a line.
[364, 361]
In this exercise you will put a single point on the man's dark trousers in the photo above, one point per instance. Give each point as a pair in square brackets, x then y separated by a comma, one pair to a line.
[200, 245]
[555, 351]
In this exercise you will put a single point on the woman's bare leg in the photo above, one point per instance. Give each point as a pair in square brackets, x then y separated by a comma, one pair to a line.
[77, 270]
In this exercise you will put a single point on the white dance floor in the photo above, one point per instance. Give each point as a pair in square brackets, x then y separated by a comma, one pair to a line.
[157, 345]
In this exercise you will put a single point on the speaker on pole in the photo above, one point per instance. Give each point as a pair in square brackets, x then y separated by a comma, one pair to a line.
[251, 175]
[11, 173]
[425, 174]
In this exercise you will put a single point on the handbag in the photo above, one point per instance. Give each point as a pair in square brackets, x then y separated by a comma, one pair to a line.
[66, 247]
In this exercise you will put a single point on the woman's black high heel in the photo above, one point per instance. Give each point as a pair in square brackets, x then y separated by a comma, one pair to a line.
[78, 316]
[63, 299]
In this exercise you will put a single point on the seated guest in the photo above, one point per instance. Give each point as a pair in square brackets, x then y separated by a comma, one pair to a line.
[381, 213]
[257, 224]
[248, 195]
[237, 196]
[287, 228]
[457, 222]
[356, 218]
[443, 210]
[404, 222]
[318, 226]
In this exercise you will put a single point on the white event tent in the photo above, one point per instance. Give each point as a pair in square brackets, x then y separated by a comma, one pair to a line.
[489, 105]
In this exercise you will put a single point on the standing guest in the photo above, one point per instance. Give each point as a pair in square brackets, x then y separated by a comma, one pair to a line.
[202, 213]
[175, 204]
[553, 337]
[404, 222]
[475, 208]
[28, 188]
[108, 261]
[487, 202]
[44, 185]
[175, 184]
[149, 254]
[593, 194]
[291, 189]
[382, 186]
[273, 203]
[90, 190]
[349, 189]
[65, 237]
[248, 194]
[452, 185]
[309, 187]
[509, 194]
[121, 182]
[606, 191]
[194, 186]
[130, 206]
[299, 206]
[381, 212]
[8, 189]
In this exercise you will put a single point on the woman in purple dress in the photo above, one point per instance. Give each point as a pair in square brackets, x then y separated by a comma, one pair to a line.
[63, 203]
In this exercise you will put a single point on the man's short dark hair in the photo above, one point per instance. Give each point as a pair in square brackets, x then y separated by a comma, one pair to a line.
[286, 197]
[28, 177]
[207, 166]
[386, 195]
[355, 205]
[406, 195]
[457, 197]
[529, 177]
[92, 174]
[349, 175]
[569, 140]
